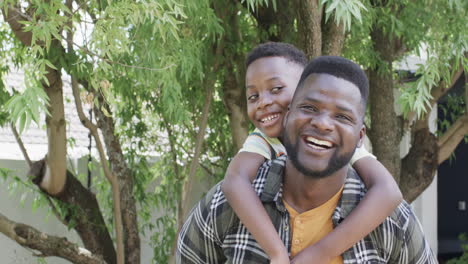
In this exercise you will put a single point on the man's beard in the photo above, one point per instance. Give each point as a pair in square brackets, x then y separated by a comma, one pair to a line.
[336, 161]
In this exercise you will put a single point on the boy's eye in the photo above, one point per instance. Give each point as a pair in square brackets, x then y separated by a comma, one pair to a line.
[252, 97]
[309, 108]
[276, 89]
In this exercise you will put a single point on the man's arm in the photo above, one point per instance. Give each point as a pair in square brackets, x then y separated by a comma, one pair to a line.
[198, 240]
[415, 248]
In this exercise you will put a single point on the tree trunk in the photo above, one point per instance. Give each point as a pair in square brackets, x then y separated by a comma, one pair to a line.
[120, 168]
[235, 101]
[385, 129]
[233, 83]
[333, 37]
[85, 212]
[309, 22]
[419, 166]
[276, 25]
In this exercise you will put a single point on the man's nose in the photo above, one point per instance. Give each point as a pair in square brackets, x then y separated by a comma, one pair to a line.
[264, 101]
[322, 122]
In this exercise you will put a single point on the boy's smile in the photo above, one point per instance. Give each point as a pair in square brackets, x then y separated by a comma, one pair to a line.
[270, 82]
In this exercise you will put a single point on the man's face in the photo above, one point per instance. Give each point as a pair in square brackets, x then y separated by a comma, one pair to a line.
[270, 84]
[324, 125]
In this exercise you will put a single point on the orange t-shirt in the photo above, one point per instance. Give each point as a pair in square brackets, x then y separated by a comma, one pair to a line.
[311, 226]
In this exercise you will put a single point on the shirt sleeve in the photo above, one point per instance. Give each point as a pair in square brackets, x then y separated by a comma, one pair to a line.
[360, 153]
[256, 144]
[198, 241]
[415, 248]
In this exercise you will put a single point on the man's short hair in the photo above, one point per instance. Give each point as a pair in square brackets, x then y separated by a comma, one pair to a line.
[277, 49]
[340, 68]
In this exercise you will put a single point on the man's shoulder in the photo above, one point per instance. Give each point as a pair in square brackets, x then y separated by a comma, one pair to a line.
[214, 203]
[355, 190]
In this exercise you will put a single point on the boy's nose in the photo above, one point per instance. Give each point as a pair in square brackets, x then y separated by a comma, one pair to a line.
[264, 102]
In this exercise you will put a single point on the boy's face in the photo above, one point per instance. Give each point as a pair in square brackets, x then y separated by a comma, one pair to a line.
[270, 85]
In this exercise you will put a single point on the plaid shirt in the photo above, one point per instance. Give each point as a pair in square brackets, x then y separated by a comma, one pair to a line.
[213, 233]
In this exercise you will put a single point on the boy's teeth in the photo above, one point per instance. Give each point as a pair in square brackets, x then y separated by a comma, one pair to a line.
[319, 142]
[268, 118]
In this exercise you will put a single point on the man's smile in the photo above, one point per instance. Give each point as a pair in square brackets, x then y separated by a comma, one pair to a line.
[318, 144]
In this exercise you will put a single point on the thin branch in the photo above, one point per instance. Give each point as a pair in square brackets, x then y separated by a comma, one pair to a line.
[21, 145]
[452, 137]
[47, 245]
[107, 172]
[200, 136]
[87, 51]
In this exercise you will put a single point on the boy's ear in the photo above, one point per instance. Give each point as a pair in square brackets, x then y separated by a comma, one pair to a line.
[362, 135]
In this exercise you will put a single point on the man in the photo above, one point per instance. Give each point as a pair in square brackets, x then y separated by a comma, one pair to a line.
[313, 189]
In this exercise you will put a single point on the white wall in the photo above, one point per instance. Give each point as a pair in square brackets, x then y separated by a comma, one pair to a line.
[425, 206]
[10, 206]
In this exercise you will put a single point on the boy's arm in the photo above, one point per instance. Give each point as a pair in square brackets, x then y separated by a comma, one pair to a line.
[244, 201]
[382, 198]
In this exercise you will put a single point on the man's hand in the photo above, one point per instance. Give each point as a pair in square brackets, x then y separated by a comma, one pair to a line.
[312, 254]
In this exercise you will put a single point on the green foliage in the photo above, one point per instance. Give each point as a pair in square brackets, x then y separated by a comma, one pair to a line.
[344, 11]
[27, 106]
[154, 60]
[443, 42]
[41, 260]
[453, 109]
[463, 259]
[253, 4]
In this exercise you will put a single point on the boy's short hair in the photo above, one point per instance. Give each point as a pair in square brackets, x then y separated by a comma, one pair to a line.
[276, 49]
[340, 68]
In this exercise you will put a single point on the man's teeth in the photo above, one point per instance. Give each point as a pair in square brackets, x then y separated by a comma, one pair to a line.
[319, 144]
[269, 118]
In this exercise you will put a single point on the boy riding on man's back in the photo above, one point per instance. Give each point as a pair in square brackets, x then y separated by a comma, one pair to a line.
[273, 71]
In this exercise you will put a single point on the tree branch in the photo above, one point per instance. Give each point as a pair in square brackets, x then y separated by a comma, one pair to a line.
[200, 137]
[12, 16]
[452, 137]
[107, 172]
[21, 145]
[47, 245]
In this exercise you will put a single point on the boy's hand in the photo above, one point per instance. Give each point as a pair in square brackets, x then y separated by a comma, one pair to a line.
[280, 258]
[312, 254]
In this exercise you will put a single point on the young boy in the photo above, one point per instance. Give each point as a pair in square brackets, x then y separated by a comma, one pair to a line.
[273, 71]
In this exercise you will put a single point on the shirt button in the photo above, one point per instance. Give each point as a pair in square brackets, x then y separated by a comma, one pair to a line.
[286, 227]
[296, 241]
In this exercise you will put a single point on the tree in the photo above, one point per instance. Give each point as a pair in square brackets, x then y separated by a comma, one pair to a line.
[126, 65]
[378, 34]
[167, 77]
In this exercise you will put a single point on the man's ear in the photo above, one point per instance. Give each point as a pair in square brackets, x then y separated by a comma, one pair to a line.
[362, 135]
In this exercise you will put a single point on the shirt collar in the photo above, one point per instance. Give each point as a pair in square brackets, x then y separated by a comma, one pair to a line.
[353, 190]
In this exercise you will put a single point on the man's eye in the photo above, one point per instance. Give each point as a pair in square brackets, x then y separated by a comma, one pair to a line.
[252, 97]
[343, 117]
